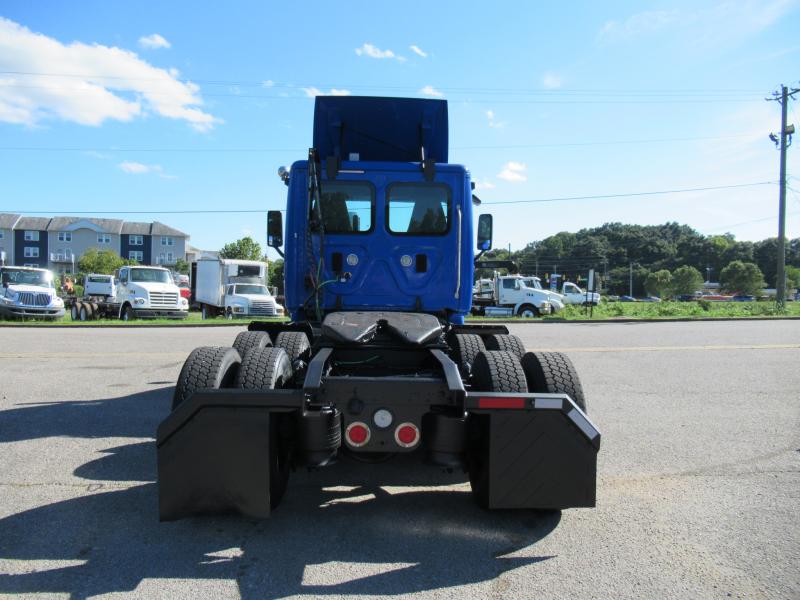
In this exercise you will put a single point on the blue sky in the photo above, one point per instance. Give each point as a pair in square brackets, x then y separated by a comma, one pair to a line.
[154, 106]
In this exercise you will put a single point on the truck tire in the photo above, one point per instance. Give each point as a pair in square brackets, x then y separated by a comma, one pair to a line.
[264, 369]
[553, 373]
[268, 369]
[493, 371]
[466, 347]
[506, 343]
[74, 311]
[528, 311]
[295, 343]
[498, 371]
[250, 340]
[86, 312]
[207, 368]
[127, 313]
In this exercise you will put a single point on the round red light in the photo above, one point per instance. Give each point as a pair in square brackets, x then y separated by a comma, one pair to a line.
[358, 434]
[407, 434]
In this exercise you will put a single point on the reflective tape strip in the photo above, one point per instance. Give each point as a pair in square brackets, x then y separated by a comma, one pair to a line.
[548, 403]
[583, 424]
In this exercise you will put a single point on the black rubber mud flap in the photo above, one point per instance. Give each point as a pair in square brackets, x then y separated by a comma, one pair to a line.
[540, 459]
[216, 462]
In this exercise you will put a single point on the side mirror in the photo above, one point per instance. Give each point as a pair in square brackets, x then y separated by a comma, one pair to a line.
[274, 229]
[484, 233]
[516, 284]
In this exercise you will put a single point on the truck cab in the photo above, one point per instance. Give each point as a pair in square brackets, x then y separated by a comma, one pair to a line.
[573, 294]
[243, 300]
[148, 292]
[383, 230]
[29, 292]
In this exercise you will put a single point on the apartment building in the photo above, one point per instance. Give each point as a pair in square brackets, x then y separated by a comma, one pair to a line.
[58, 243]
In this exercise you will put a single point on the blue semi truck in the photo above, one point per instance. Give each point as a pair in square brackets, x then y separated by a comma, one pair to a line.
[377, 359]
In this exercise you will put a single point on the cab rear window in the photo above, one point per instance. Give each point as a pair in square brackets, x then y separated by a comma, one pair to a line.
[347, 206]
[418, 209]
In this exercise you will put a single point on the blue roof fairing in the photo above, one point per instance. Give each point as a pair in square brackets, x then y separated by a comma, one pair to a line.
[381, 129]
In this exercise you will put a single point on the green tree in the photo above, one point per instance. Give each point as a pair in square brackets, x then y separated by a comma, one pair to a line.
[244, 249]
[100, 261]
[276, 274]
[181, 266]
[792, 277]
[658, 283]
[741, 277]
[686, 280]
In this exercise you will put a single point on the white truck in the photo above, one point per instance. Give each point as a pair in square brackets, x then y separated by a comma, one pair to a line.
[133, 292]
[508, 295]
[570, 293]
[29, 292]
[233, 288]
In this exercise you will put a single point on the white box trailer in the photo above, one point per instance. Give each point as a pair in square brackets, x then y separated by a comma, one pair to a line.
[233, 288]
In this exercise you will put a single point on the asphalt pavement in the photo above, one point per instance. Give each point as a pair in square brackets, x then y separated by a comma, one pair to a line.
[698, 490]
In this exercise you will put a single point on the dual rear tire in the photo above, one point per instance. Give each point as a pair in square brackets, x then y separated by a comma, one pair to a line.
[506, 367]
[263, 368]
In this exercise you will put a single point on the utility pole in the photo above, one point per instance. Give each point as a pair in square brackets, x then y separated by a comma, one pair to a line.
[786, 131]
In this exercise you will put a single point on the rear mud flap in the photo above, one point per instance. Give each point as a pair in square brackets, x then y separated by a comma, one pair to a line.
[214, 454]
[543, 457]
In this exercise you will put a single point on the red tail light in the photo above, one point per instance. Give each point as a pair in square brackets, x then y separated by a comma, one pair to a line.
[501, 402]
[357, 434]
[406, 435]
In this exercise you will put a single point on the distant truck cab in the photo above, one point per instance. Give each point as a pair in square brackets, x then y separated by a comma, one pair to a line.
[29, 292]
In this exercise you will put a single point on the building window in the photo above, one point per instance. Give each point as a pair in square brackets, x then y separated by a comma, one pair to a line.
[103, 238]
[136, 240]
[167, 241]
[136, 255]
[31, 252]
[1, 234]
[31, 236]
[64, 236]
[170, 257]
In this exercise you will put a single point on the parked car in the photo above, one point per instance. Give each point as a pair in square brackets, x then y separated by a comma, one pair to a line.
[687, 297]
[185, 290]
[651, 299]
[743, 298]
[627, 299]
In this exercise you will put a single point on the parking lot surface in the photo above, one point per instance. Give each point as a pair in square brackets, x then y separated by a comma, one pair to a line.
[698, 490]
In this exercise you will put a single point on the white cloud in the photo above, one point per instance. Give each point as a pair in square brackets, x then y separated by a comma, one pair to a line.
[153, 41]
[514, 172]
[431, 92]
[638, 24]
[483, 184]
[374, 52]
[493, 122]
[418, 51]
[100, 83]
[312, 92]
[722, 22]
[551, 81]
[268, 83]
[136, 168]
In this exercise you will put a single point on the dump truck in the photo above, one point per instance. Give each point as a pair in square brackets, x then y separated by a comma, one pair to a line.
[377, 360]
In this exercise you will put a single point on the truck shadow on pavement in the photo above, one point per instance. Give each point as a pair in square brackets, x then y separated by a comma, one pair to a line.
[348, 529]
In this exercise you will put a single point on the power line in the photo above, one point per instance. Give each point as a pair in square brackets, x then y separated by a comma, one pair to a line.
[631, 194]
[625, 99]
[259, 150]
[262, 210]
[505, 91]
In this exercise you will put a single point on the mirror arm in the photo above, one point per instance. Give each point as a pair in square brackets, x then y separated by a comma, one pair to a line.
[279, 251]
[479, 254]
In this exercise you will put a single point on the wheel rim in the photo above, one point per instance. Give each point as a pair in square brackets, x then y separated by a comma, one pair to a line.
[528, 314]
